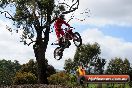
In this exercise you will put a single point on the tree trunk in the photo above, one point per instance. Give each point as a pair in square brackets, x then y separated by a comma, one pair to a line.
[39, 50]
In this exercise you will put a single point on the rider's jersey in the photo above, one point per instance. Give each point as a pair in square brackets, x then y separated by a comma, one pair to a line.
[59, 23]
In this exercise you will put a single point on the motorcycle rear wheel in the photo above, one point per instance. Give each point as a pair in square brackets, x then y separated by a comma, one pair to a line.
[77, 39]
[58, 53]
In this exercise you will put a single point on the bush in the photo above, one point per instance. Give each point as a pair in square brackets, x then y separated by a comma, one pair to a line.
[24, 78]
[59, 78]
[62, 78]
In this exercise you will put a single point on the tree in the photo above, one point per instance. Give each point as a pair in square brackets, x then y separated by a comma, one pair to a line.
[28, 73]
[130, 74]
[50, 70]
[34, 17]
[7, 71]
[31, 67]
[87, 53]
[68, 65]
[99, 65]
[118, 66]
[126, 67]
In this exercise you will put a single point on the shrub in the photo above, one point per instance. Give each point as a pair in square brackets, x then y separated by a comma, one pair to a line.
[62, 78]
[59, 78]
[24, 78]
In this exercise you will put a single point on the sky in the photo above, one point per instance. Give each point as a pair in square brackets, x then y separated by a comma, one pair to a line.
[109, 23]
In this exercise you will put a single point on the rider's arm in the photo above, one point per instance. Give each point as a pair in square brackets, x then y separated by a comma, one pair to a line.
[65, 23]
[55, 25]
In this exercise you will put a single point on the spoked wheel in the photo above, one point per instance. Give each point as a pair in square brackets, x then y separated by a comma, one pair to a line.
[58, 53]
[77, 39]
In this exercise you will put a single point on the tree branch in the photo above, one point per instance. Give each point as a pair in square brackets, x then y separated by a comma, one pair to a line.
[6, 12]
[77, 2]
[71, 8]
[48, 24]
[65, 4]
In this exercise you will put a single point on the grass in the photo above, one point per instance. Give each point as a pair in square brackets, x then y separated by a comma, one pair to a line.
[93, 85]
[109, 86]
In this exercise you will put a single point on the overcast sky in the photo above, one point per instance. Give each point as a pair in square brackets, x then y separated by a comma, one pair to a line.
[109, 24]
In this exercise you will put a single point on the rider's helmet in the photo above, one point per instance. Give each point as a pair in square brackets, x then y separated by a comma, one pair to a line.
[62, 17]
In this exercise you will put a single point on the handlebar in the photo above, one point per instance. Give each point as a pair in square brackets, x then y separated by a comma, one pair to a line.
[68, 28]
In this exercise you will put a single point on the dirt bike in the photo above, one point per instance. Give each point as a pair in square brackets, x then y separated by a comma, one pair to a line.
[65, 42]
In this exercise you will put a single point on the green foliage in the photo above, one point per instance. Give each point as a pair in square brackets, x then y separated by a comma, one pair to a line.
[62, 78]
[59, 78]
[24, 78]
[4, 3]
[28, 14]
[31, 67]
[62, 8]
[50, 70]
[126, 67]
[99, 65]
[7, 71]
[118, 66]
[68, 65]
[20, 74]
[84, 55]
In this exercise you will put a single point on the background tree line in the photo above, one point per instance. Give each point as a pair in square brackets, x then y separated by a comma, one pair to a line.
[88, 55]
[12, 72]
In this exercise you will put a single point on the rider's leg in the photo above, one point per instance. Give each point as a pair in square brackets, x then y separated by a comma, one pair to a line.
[71, 34]
[58, 36]
[58, 33]
[60, 40]
[62, 33]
